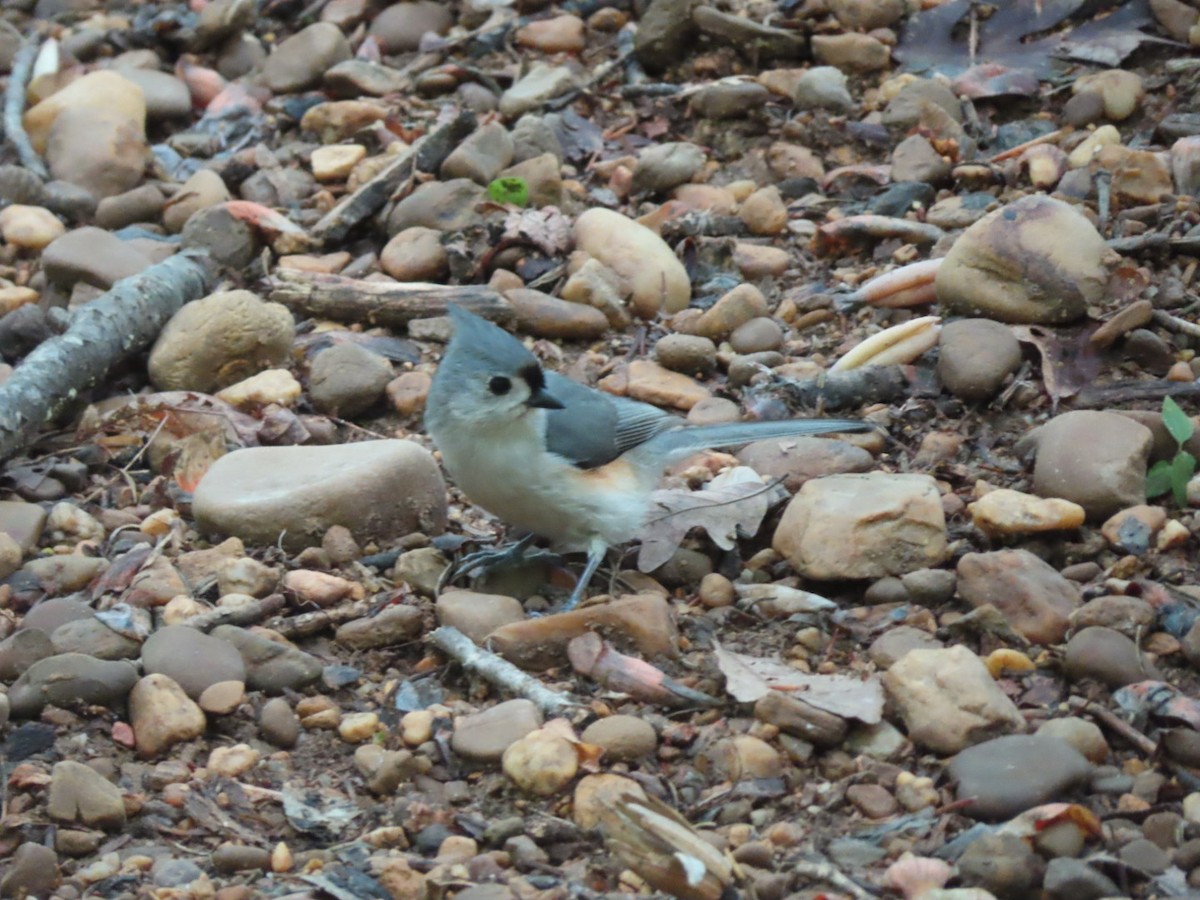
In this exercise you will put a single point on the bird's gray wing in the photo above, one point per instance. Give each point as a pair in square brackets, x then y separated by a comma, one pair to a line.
[593, 427]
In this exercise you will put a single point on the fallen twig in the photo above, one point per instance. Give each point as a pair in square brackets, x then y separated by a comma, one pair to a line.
[380, 303]
[499, 672]
[426, 155]
[119, 323]
[828, 874]
[310, 623]
[1107, 395]
[1174, 323]
[250, 614]
[14, 108]
[839, 390]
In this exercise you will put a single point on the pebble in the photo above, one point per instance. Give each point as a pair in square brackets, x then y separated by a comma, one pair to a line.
[271, 667]
[395, 624]
[1133, 530]
[851, 52]
[1132, 616]
[872, 800]
[481, 156]
[278, 723]
[1007, 775]
[340, 120]
[165, 96]
[102, 89]
[1107, 656]
[259, 493]
[442, 205]
[799, 459]
[1003, 512]
[725, 100]
[415, 254]
[657, 279]
[976, 357]
[407, 392]
[948, 700]
[1138, 176]
[162, 715]
[222, 698]
[895, 643]
[336, 162]
[542, 315]
[651, 383]
[531, 91]
[788, 161]
[93, 637]
[663, 167]
[97, 149]
[271, 386]
[759, 335]
[1120, 91]
[1082, 734]
[734, 309]
[400, 27]
[1031, 595]
[595, 796]
[92, 256]
[686, 353]
[823, 87]
[764, 213]
[219, 340]
[142, 204]
[29, 227]
[863, 526]
[1003, 864]
[1094, 458]
[421, 569]
[623, 738]
[486, 735]
[300, 61]
[78, 793]
[228, 240]
[755, 261]
[21, 650]
[1011, 265]
[542, 762]
[65, 678]
[192, 659]
[558, 34]
[347, 379]
[477, 615]
[542, 177]
[32, 872]
[915, 159]
[62, 574]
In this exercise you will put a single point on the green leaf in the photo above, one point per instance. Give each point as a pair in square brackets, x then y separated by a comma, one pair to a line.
[1158, 479]
[1183, 467]
[513, 191]
[1176, 420]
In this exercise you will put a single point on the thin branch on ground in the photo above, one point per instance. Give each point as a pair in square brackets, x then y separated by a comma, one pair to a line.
[14, 109]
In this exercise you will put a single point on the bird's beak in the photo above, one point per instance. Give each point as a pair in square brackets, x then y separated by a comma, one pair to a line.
[543, 399]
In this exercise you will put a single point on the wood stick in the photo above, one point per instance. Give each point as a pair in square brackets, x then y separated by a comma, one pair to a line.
[427, 155]
[380, 303]
[14, 108]
[116, 325]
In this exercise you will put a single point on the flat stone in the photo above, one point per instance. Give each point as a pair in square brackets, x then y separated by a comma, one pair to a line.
[193, 659]
[484, 736]
[261, 493]
[1008, 775]
[79, 793]
[1094, 458]
[1033, 597]
[300, 61]
[67, 678]
[93, 256]
[863, 526]
[270, 667]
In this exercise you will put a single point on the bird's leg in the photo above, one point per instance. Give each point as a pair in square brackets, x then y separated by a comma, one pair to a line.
[508, 557]
[595, 556]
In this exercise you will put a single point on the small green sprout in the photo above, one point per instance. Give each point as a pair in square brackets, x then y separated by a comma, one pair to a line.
[512, 191]
[1173, 474]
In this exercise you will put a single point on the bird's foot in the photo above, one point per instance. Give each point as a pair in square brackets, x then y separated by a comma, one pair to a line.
[501, 559]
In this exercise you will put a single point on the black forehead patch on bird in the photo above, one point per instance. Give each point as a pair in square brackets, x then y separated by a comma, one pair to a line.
[534, 377]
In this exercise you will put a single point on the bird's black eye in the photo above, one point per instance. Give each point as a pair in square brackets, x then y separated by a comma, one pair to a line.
[499, 385]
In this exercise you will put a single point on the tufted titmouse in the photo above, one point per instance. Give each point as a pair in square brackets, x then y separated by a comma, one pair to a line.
[557, 458]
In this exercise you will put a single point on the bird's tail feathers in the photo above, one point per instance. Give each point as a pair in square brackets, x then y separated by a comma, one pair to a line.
[671, 446]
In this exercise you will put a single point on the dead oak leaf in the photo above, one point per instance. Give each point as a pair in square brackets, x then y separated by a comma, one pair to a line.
[748, 678]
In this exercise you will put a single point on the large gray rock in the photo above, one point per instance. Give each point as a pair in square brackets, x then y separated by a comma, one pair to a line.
[1094, 458]
[71, 678]
[195, 660]
[376, 489]
[270, 667]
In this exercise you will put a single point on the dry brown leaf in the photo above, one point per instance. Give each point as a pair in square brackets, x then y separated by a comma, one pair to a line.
[734, 501]
[747, 678]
